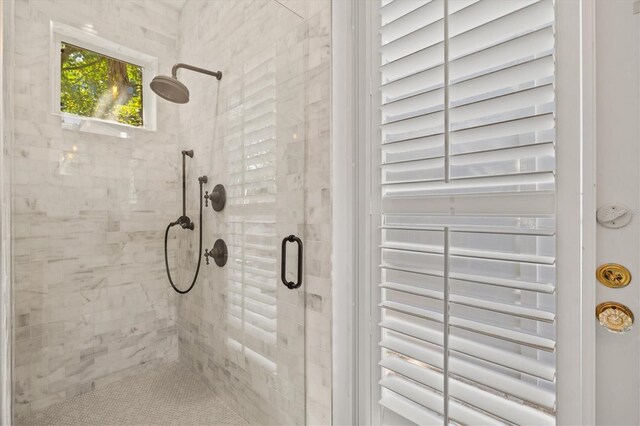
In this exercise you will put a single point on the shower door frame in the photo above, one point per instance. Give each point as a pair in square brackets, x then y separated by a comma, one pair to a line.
[6, 133]
[354, 206]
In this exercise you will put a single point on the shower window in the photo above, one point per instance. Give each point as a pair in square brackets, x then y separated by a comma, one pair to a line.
[98, 85]
[95, 85]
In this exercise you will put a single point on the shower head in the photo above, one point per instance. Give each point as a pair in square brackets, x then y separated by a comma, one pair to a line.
[171, 89]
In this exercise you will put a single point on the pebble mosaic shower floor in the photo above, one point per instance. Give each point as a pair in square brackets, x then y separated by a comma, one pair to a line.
[168, 395]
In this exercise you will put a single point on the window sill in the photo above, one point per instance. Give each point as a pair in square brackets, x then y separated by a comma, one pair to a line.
[97, 126]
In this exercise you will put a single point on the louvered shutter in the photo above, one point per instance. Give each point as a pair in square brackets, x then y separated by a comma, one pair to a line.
[467, 134]
[252, 313]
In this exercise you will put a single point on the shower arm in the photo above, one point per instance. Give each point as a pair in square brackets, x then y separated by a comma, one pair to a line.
[174, 70]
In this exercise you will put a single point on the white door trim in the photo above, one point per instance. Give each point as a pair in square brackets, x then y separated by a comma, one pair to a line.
[350, 201]
[575, 121]
[589, 144]
[6, 133]
[576, 198]
[343, 175]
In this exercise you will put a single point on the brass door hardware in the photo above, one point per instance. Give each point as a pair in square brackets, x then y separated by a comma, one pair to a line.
[613, 275]
[615, 317]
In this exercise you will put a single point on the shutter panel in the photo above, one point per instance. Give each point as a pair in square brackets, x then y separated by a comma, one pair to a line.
[250, 141]
[467, 132]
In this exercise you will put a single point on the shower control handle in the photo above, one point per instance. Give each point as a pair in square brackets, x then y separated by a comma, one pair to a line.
[283, 267]
[214, 197]
[218, 198]
[219, 253]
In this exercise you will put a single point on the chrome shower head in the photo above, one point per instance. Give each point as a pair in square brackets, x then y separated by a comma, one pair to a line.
[171, 89]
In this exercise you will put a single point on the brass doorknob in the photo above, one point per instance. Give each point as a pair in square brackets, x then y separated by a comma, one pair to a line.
[615, 317]
[613, 275]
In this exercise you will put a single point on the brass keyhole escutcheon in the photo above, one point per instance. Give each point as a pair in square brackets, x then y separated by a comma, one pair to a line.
[615, 317]
[613, 275]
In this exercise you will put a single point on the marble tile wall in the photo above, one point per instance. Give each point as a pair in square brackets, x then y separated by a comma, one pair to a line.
[263, 131]
[92, 303]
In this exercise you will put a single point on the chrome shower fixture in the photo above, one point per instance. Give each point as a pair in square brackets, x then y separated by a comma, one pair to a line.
[171, 89]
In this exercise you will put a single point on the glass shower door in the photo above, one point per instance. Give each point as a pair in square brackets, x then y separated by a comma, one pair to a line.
[266, 150]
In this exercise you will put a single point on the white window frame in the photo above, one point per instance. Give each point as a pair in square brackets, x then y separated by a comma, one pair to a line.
[354, 264]
[86, 38]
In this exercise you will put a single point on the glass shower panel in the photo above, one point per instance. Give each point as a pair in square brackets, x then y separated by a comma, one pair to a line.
[266, 151]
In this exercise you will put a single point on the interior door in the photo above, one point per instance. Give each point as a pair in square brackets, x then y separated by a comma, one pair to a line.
[618, 175]
[474, 213]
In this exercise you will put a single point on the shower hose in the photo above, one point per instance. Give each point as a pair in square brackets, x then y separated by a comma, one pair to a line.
[186, 223]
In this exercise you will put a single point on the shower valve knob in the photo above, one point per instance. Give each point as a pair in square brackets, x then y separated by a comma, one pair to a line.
[218, 198]
[214, 197]
[218, 252]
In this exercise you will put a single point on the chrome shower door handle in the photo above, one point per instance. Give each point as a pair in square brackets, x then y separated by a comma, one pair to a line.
[283, 267]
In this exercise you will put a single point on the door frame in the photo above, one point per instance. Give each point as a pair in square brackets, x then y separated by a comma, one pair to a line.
[6, 135]
[6, 300]
[345, 89]
[576, 197]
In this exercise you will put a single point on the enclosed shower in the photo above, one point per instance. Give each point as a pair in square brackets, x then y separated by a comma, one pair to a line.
[170, 235]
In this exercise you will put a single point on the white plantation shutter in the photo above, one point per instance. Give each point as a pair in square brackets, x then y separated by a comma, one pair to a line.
[468, 280]
[252, 314]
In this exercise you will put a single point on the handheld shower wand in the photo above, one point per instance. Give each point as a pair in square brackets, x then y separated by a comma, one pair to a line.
[185, 222]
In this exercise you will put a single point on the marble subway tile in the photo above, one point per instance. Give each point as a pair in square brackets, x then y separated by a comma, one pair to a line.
[89, 213]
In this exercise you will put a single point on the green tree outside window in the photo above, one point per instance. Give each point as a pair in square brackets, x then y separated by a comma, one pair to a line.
[94, 85]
